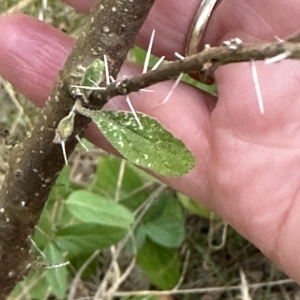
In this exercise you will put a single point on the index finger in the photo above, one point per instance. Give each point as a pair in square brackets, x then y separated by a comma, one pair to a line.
[251, 21]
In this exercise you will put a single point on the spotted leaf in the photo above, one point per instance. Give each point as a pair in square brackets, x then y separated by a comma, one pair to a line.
[150, 146]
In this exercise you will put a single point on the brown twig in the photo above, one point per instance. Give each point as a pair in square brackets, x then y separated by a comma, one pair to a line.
[208, 60]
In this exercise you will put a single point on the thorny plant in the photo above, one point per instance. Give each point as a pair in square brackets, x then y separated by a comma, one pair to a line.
[207, 61]
[112, 32]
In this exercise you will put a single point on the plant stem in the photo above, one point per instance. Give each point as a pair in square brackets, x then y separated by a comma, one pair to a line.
[35, 164]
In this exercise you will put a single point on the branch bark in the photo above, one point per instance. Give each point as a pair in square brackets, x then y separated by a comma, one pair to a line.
[206, 62]
[35, 164]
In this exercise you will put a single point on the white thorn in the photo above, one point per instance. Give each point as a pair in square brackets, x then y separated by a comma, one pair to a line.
[278, 39]
[95, 84]
[173, 88]
[147, 90]
[106, 70]
[237, 41]
[133, 112]
[158, 63]
[277, 58]
[112, 79]
[63, 147]
[88, 87]
[179, 56]
[147, 59]
[244, 287]
[58, 265]
[81, 143]
[257, 87]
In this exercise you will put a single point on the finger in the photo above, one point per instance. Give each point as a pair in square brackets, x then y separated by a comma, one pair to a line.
[249, 20]
[253, 21]
[255, 149]
[33, 69]
[28, 59]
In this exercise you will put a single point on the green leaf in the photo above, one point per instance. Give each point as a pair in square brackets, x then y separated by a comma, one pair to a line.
[106, 182]
[161, 265]
[164, 222]
[43, 235]
[87, 238]
[92, 208]
[194, 207]
[140, 236]
[39, 287]
[93, 73]
[151, 146]
[57, 275]
[166, 231]
[63, 187]
[79, 260]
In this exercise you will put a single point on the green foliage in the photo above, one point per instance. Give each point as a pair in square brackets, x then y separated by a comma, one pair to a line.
[161, 265]
[64, 128]
[93, 75]
[37, 291]
[77, 222]
[85, 238]
[164, 223]
[56, 276]
[165, 231]
[149, 145]
[92, 208]
[194, 207]
[101, 223]
[131, 192]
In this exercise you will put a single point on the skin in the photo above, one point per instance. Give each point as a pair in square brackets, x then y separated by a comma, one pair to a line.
[247, 164]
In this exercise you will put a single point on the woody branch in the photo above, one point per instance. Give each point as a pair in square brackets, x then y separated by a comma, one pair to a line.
[205, 62]
[35, 164]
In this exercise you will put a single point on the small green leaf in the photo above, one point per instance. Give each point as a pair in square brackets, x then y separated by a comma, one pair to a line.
[151, 146]
[43, 235]
[87, 237]
[161, 265]
[164, 221]
[106, 181]
[64, 128]
[56, 275]
[166, 231]
[63, 131]
[194, 206]
[92, 208]
[93, 74]
[39, 287]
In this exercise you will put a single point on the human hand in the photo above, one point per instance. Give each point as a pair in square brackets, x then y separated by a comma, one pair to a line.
[247, 163]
